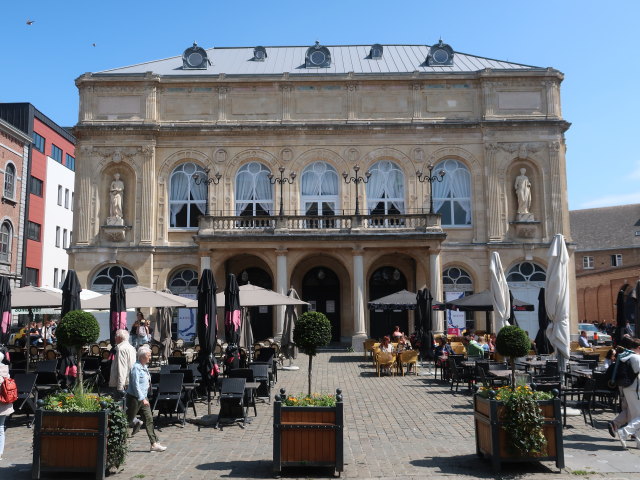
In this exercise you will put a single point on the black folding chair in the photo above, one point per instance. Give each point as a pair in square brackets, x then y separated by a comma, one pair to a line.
[231, 401]
[27, 395]
[189, 387]
[46, 366]
[181, 361]
[268, 355]
[249, 395]
[170, 368]
[168, 399]
[261, 374]
[47, 382]
[92, 371]
[583, 401]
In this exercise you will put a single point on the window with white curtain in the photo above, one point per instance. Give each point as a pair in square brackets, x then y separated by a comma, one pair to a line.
[187, 199]
[452, 196]
[6, 232]
[385, 190]
[254, 192]
[9, 181]
[319, 192]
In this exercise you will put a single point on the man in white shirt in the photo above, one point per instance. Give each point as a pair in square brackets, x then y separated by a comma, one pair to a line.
[125, 357]
[583, 341]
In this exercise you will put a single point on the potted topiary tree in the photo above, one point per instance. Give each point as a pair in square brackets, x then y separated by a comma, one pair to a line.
[77, 329]
[312, 330]
[512, 342]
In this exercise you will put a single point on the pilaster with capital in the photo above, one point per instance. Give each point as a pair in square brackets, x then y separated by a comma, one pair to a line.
[558, 188]
[222, 104]
[551, 90]
[494, 192]
[487, 99]
[150, 103]
[359, 324]
[352, 101]
[435, 274]
[86, 103]
[147, 196]
[83, 205]
[285, 92]
[416, 100]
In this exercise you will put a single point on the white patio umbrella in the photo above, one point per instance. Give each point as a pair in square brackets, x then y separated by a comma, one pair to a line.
[140, 297]
[254, 296]
[499, 293]
[556, 299]
[31, 296]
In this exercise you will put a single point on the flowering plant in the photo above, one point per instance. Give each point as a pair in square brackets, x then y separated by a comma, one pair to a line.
[313, 400]
[521, 417]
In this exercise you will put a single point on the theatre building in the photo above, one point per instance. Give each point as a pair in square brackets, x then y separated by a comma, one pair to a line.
[348, 172]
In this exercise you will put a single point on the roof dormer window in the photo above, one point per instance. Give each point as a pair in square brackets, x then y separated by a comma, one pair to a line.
[440, 55]
[195, 58]
[259, 54]
[376, 51]
[317, 57]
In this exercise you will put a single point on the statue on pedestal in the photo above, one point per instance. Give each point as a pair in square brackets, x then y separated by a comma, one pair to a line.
[116, 193]
[523, 193]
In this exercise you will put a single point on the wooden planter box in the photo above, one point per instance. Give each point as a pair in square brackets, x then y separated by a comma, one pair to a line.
[69, 442]
[308, 436]
[491, 438]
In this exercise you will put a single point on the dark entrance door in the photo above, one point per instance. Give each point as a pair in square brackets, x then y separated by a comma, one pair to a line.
[321, 286]
[261, 317]
[383, 282]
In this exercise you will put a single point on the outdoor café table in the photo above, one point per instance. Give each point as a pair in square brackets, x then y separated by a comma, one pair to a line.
[499, 373]
[533, 364]
[251, 387]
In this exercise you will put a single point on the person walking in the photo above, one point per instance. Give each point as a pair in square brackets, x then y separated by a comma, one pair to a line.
[137, 398]
[6, 409]
[631, 394]
[122, 363]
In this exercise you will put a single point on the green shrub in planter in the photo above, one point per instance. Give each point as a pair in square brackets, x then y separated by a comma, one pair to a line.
[77, 329]
[312, 330]
[513, 342]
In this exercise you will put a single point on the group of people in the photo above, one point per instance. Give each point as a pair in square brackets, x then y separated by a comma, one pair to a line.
[398, 338]
[140, 331]
[37, 334]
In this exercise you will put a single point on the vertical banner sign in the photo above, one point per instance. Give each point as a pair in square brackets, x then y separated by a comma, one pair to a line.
[456, 320]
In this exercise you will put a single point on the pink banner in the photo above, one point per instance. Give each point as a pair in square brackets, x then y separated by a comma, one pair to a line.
[6, 322]
[233, 318]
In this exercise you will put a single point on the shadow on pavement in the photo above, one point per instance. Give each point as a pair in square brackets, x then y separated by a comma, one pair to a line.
[479, 467]
[260, 469]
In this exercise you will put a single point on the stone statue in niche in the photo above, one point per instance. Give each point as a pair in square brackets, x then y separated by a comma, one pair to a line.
[522, 187]
[116, 193]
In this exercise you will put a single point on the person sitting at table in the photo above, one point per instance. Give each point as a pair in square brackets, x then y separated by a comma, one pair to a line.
[20, 339]
[396, 333]
[492, 342]
[583, 341]
[403, 344]
[443, 350]
[609, 358]
[385, 345]
[483, 343]
[35, 337]
[473, 348]
[47, 333]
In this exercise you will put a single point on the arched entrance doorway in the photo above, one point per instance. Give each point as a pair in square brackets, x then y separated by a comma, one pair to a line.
[321, 288]
[261, 317]
[383, 282]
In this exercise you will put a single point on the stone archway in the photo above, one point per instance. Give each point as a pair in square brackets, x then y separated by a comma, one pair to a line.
[321, 288]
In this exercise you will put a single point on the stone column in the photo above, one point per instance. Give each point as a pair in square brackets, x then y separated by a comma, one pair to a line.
[435, 277]
[83, 212]
[552, 100]
[205, 262]
[415, 99]
[360, 328]
[487, 99]
[147, 196]
[493, 194]
[285, 91]
[222, 104]
[352, 103]
[150, 114]
[281, 287]
[558, 187]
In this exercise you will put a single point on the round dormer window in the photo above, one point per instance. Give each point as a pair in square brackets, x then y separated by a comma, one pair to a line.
[259, 54]
[441, 56]
[318, 57]
[195, 59]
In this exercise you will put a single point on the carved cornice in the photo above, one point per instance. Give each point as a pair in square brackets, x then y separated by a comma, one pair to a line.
[523, 150]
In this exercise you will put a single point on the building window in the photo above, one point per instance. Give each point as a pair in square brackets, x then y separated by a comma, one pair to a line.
[5, 242]
[66, 198]
[616, 260]
[70, 237]
[38, 142]
[319, 189]
[385, 189]
[60, 195]
[64, 238]
[103, 280]
[187, 200]
[70, 162]
[55, 278]
[31, 276]
[452, 196]
[587, 263]
[56, 153]
[254, 195]
[457, 282]
[9, 181]
[63, 274]
[184, 282]
[35, 186]
[526, 272]
[33, 231]
[58, 237]
[71, 206]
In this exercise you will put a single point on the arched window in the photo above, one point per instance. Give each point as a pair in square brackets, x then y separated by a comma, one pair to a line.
[319, 189]
[526, 272]
[254, 195]
[457, 282]
[452, 196]
[103, 280]
[525, 281]
[187, 200]
[385, 189]
[9, 181]
[5, 242]
[184, 282]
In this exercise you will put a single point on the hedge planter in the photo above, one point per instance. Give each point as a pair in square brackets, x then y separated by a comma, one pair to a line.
[69, 442]
[308, 436]
[492, 441]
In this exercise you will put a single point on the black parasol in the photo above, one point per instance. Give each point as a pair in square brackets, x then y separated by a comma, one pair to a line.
[207, 330]
[424, 309]
[5, 311]
[117, 309]
[543, 346]
[70, 293]
[232, 310]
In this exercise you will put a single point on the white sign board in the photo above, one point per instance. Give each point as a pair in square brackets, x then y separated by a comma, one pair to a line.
[456, 320]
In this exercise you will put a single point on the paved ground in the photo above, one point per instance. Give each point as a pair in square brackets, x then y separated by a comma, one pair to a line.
[396, 427]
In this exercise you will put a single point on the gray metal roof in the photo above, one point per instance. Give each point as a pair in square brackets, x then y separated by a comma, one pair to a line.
[344, 59]
[606, 228]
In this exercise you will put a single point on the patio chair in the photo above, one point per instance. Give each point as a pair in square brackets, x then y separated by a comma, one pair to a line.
[249, 396]
[169, 368]
[180, 361]
[269, 355]
[456, 372]
[27, 395]
[583, 401]
[169, 398]
[261, 374]
[47, 382]
[155, 355]
[46, 366]
[231, 402]
[189, 386]
[605, 396]
[408, 358]
[385, 361]
[368, 346]
[50, 355]
[94, 350]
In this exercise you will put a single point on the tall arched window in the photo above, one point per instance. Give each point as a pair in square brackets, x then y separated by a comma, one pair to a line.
[254, 193]
[452, 196]
[187, 200]
[457, 281]
[319, 189]
[525, 281]
[184, 282]
[385, 190]
[5, 242]
[9, 180]
[103, 280]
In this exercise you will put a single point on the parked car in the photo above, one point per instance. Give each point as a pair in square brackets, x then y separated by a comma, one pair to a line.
[592, 330]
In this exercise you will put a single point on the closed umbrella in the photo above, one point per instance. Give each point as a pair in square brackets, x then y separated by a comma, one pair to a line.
[288, 346]
[5, 311]
[70, 293]
[206, 330]
[621, 318]
[424, 309]
[499, 292]
[556, 299]
[162, 333]
[117, 309]
[232, 310]
[542, 342]
[246, 334]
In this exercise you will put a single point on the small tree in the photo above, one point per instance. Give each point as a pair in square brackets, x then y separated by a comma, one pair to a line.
[77, 329]
[312, 330]
[512, 342]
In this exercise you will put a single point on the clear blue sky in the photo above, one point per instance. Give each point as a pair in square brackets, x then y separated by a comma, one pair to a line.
[595, 44]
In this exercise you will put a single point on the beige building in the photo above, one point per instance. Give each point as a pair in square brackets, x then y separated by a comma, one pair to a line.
[346, 120]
